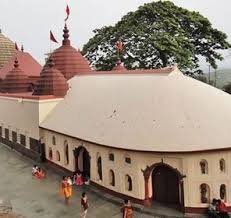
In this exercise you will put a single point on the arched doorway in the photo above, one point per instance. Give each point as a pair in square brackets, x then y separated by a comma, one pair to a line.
[165, 185]
[82, 160]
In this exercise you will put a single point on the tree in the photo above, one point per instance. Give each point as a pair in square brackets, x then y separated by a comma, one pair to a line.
[227, 88]
[157, 35]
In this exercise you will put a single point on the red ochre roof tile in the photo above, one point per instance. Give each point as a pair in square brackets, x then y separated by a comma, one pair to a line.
[15, 81]
[69, 60]
[51, 82]
[27, 63]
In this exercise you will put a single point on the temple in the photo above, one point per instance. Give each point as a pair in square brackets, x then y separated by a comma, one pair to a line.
[148, 135]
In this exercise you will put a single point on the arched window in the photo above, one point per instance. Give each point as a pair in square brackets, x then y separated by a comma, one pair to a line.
[53, 140]
[223, 192]
[128, 159]
[204, 166]
[112, 178]
[99, 167]
[57, 156]
[205, 193]
[222, 165]
[50, 154]
[128, 183]
[111, 157]
[66, 153]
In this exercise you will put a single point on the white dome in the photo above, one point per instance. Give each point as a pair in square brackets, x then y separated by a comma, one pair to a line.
[163, 112]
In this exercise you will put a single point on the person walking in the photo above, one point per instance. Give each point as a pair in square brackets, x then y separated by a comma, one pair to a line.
[84, 205]
[65, 190]
[127, 209]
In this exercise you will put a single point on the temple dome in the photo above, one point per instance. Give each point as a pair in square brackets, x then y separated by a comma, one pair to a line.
[16, 81]
[7, 49]
[68, 60]
[51, 82]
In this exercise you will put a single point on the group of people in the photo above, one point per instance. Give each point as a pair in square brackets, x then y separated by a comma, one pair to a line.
[37, 172]
[66, 191]
[79, 178]
[218, 209]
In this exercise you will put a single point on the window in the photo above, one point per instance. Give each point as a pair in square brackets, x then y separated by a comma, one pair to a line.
[22, 139]
[111, 157]
[7, 134]
[14, 136]
[50, 154]
[66, 152]
[57, 156]
[204, 166]
[128, 160]
[128, 183]
[223, 192]
[53, 140]
[99, 167]
[222, 165]
[34, 145]
[205, 193]
[112, 178]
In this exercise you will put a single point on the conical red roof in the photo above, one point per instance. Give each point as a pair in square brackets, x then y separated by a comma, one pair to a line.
[68, 60]
[16, 81]
[51, 82]
[119, 66]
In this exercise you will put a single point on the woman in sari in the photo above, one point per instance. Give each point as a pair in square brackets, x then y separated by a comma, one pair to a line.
[127, 209]
[40, 174]
[66, 190]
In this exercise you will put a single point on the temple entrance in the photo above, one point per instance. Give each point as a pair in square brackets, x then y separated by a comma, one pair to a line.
[165, 185]
[82, 160]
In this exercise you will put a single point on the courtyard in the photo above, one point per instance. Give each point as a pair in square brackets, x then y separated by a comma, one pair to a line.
[33, 198]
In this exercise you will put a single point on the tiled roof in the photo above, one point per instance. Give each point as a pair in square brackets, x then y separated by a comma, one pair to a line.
[27, 63]
[15, 81]
[68, 60]
[51, 82]
[7, 50]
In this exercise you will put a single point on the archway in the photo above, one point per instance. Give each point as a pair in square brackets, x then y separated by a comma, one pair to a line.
[165, 185]
[82, 160]
[173, 181]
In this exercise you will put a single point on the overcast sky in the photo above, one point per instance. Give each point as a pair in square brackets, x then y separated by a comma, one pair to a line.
[29, 21]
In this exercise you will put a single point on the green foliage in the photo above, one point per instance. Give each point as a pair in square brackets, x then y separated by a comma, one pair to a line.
[227, 88]
[158, 34]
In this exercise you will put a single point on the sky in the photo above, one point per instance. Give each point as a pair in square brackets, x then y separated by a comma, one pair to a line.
[28, 22]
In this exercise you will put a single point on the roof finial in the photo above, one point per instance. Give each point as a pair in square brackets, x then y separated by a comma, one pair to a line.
[66, 35]
[22, 48]
[16, 46]
[16, 63]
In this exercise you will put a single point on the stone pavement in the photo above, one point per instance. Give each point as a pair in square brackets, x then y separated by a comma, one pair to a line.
[35, 199]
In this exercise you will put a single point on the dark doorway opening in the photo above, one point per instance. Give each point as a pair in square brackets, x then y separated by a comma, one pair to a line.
[82, 160]
[165, 185]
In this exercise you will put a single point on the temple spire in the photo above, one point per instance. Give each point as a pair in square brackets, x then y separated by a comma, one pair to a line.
[66, 35]
[16, 65]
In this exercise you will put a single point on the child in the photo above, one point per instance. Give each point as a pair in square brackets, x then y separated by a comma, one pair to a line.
[34, 170]
[79, 180]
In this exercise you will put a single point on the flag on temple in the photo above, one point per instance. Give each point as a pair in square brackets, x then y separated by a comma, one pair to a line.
[52, 38]
[120, 45]
[67, 12]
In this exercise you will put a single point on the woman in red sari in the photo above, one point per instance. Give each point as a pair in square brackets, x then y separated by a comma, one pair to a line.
[127, 209]
[40, 174]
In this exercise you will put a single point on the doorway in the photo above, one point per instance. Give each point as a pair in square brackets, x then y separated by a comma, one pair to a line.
[82, 160]
[165, 185]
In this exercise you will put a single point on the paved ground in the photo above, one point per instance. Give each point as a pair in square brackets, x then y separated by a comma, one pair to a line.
[33, 198]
